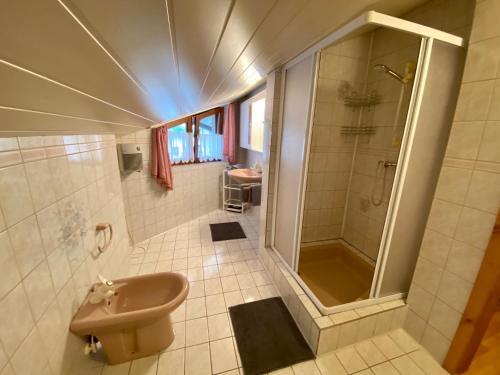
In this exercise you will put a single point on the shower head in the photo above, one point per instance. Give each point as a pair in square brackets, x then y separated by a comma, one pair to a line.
[385, 69]
[410, 68]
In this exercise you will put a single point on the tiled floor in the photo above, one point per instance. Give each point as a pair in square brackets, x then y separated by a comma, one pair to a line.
[223, 274]
[394, 353]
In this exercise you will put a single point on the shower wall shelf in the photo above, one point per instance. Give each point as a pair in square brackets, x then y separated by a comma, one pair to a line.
[355, 130]
[362, 101]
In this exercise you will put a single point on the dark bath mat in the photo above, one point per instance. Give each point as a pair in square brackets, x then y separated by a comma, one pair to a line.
[227, 231]
[268, 338]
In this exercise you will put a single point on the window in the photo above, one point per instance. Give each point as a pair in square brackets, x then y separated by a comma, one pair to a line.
[252, 122]
[209, 140]
[196, 138]
[180, 144]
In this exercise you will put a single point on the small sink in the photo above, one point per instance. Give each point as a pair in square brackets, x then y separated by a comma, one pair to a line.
[246, 175]
[135, 321]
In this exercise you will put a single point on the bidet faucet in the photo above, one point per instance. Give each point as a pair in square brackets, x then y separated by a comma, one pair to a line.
[102, 291]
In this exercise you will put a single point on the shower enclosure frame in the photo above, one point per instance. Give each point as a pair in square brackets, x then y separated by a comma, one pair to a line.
[364, 23]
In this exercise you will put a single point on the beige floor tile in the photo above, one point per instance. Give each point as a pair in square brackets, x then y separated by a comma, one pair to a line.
[195, 308]
[195, 262]
[404, 340]
[283, 371]
[198, 360]
[215, 304]
[223, 258]
[254, 265]
[179, 336]
[387, 346]
[179, 264]
[233, 298]
[240, 268]
[219, 327]
[222, 355]
[406, 366]
[196, 331]
[261, 278]
[194, 251]
[370, 353]
[179, 314]
[163, 266]
[196, 289]
[364, 372]
[195, 274]
[121, 369]
[385, 369]
[428, 364]
[210, 272]
[246, 281]
[330, 365]
[268, 291]
[144, 366]
[209, 260]
[171, 363]
[306, 368]
[229, 283]
[350, 359]
[213, 286]
[250, 295]
[226, 270]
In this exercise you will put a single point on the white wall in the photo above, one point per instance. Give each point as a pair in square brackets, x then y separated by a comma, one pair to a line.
[331, 152]
[53, 191]
[467, 197]
[150, 209]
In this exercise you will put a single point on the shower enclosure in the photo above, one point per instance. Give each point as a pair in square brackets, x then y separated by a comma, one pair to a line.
[365, 120]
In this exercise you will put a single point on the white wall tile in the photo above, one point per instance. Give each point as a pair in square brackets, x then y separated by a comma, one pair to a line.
[474, 227]
[435, 343]
[27, 244]
[488, 149]
[52, 249]
[453, 184]
[8, 144]
[39, 289]
[12, 332]
[454, 291]
[443, 217]
[444, 319]
[15, 198]
[474, 100]
[9, 274]
[30, 358]
[464, 260]
[41, 184]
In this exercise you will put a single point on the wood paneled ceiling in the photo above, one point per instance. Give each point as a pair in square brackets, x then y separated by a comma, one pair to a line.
[118, 66]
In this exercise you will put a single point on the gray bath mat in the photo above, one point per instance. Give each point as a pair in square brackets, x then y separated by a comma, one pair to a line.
[227, 231]
[268, 339]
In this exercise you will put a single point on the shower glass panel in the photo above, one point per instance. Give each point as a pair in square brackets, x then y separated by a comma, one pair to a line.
[364, 86]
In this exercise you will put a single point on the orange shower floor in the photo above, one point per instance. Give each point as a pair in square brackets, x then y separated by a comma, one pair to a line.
[335, 274]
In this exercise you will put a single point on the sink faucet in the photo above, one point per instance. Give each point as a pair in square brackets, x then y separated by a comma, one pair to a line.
[102, 291]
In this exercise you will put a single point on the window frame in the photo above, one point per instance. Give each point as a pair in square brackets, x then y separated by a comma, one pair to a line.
[245, 119]
[193, 126]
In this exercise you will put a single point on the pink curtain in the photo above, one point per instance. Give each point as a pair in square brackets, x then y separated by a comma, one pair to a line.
[160, 166]
[229, 132]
